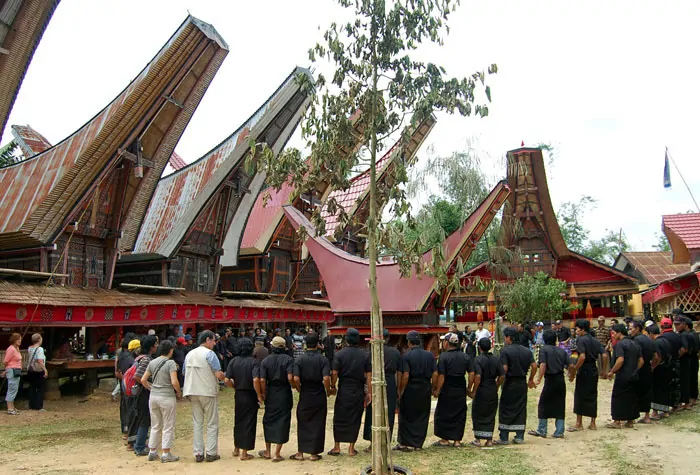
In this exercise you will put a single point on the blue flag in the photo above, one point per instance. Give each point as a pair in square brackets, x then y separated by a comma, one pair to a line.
[667, 172]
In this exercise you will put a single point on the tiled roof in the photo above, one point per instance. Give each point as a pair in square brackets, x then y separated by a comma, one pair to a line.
[29, 140]
[38, 195]
[176, 161]
[180, 198]
[686, 227]
[655, 266]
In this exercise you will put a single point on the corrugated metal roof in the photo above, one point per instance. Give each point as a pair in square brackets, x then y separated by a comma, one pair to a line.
[264, 218]
[29, 140]
[655, 266]
[39, 194]
[686, 227]
[180, 197]
[22, 24]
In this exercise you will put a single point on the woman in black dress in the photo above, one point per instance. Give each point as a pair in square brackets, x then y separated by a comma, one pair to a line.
[488, 377]
[239, 375]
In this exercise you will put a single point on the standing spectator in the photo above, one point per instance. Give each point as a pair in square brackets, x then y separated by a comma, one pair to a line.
[36, 373]
[130, 345]
[141, 421]
[178, 357]
[329, 347]
[469, 342]
[289, 343]
[165, 391]
[482, 332]
[260, 352]
[602, 334]
[298, 342]
[202, 372]
[13, 371]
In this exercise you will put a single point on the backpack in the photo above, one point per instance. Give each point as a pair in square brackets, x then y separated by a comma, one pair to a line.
[131, 387]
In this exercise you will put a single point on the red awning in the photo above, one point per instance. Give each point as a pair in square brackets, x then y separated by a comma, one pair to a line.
[672, 287]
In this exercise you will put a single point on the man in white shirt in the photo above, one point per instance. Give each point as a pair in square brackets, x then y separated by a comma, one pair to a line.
[202, 372]
[482, 332]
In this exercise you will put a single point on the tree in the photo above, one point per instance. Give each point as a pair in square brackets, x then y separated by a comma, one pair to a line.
[10, 153]
[607, 248]
[661, 243]
[536, 297]
[374, 73]
[569, 217]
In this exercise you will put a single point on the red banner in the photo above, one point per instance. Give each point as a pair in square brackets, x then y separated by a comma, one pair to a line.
[46, 315]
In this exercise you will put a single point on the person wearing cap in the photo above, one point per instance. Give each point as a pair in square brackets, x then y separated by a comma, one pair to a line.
[553, 362]
[418, 380]
[645, 389]
[661, 375]
[451, 391]
[512, 408]
[488, 377]
[392, 371]
[353, 370]
[239, 376]
[687, 343]
[275, 377]
[674, 340]
[202, 370]
[587, 373]
[628, 360]
[539, 332]
[312, 378]
[141, 415]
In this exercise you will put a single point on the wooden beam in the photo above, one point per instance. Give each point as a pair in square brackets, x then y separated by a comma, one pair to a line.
[4, 51]
[145, 162]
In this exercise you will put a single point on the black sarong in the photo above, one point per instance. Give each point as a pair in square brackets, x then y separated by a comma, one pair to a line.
[586, 392]
[347, 416]
[391, 395]
[644, 389]
[552, 403]
[661, 376]
[684, 365]
[278, 413]
[623, 405]
[484, 410]
[311, 418]
[694, 367]
[245, 419]
[674, 387]
[140, 414]
[512, 409]
[414, 413]
[451, 410]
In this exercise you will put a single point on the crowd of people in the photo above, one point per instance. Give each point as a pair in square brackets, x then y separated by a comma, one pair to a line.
[655, 371]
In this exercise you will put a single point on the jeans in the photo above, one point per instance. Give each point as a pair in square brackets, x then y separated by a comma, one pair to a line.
[162, 421]
[558, 427]
[12, 386]
[37, 383]
[519, 434]
[205, 413]
[141, 436]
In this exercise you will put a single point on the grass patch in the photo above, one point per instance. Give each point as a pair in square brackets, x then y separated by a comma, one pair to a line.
[15, 438]
[501, 461]
[619, 464]
[688, 421]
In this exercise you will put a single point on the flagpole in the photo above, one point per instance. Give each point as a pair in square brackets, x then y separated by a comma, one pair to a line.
[684, 182]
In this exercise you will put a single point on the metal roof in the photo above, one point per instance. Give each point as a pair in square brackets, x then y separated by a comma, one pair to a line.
[655, 266]
[29, 140]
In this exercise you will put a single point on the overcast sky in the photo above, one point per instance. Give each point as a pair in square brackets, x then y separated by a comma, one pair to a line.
[609, 84]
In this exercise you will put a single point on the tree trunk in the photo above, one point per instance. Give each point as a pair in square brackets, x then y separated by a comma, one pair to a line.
[381, 454]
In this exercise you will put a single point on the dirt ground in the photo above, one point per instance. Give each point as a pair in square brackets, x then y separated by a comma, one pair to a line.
[79, 436]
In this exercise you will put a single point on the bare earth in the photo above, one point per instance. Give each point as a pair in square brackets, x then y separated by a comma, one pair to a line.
[81, 436]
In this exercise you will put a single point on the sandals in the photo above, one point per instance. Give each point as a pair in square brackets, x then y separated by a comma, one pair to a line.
[315, 458]
[333, 454]
[535, 433]
[642, 421]
[278, 459]
[13, 412]
[500, 442]
[353, 453]
[247, 457]
[613, 426]
[261, 454]
[574, 429]
[438, 444]
[294, 457]
[402, 448]
[475, 443]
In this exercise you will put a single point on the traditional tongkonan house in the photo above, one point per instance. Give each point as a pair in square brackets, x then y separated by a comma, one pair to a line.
[273, 262]
[197, 216]
[529, 226]
[413, 303]
[22, 24]
[66, 212]
[682, 290]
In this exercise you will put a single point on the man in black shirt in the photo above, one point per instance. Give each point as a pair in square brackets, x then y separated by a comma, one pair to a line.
[470, 342]
[239, 375]
[328, 346]
[451, 391]
[586, 392]
[628, 360]
[392, 371]
[645, 389]
[684, 359]
[674, 341]
[512, 413]
[352, 366]
[419, 377]
[563, 334]
[661, 375]
[694, 363]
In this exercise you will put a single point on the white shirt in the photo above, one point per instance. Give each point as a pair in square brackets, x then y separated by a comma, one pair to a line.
[483, 333]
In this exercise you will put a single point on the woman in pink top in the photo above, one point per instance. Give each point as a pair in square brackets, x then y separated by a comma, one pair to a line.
[13, 370]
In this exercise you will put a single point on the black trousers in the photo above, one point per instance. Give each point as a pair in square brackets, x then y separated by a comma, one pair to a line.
[37, 385]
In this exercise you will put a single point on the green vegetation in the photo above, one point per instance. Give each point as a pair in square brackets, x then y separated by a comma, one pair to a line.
[538, 297]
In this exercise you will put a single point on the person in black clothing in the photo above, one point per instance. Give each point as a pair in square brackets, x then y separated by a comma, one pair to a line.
[392, 371]
[512, 413]
[661, 375]
[352, 367]
[289, 342]
[645, 388]
[586, 392]
[552, 405]
[488, 376]
[694, 363]
[275, 376]
[451, 391]
[524, 336]
[563, 333]
[329, 347]
[469, 342]
[124, 362]
[312, 380]
[418, 379]
[684, 359]
[460, 335]
[179, 359]
[239, 376]
[628, 360]
[674, 340]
